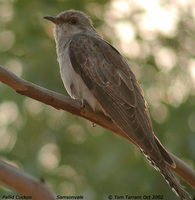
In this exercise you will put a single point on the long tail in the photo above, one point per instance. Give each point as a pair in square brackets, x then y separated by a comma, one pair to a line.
[176, 187]
[174, 183]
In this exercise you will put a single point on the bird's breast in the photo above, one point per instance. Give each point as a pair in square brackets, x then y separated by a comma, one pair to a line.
[73, 82]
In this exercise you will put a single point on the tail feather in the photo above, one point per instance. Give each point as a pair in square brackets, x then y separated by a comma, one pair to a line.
[174, 183]
[176, 187]
[164, 153]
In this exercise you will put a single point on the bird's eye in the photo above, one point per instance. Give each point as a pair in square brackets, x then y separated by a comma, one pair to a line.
[73, 21]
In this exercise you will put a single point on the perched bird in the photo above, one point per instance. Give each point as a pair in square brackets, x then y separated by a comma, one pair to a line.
[93, 71]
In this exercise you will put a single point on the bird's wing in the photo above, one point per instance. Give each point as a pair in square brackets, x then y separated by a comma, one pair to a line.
[109, 78]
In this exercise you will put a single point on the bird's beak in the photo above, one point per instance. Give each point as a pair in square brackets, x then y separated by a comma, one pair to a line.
[52, 19]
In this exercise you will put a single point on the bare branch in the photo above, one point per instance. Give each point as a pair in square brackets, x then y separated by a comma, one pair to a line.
[60, 101]
[24, 183]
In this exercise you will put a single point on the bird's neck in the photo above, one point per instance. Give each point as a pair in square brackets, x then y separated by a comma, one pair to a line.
[62, 41]
[61, 44]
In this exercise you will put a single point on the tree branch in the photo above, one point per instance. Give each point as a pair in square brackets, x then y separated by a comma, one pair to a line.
[24, 183]
[68, 104]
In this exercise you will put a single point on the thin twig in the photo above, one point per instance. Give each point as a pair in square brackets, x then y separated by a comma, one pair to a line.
[68, 104]
[24, 183]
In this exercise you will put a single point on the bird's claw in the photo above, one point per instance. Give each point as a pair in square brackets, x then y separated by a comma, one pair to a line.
[82, 104]
[93, 124]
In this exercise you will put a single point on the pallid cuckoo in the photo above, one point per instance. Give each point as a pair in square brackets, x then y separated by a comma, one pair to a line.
[93, 71]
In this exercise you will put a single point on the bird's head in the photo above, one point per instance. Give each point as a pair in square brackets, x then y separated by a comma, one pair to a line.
[70, 22]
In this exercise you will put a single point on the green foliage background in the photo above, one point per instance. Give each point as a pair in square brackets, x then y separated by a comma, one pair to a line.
[73, 157]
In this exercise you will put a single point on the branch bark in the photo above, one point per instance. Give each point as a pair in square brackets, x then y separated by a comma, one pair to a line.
[24, 183]
[73, 106]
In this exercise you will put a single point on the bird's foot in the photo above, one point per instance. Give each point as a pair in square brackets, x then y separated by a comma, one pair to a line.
[82, 104]
[93, 124]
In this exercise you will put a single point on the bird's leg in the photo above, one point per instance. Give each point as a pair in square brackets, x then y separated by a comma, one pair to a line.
[82, 104]
[93, 124]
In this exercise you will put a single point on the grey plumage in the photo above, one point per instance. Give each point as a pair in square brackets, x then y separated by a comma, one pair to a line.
[114, 86]
[94, 71]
